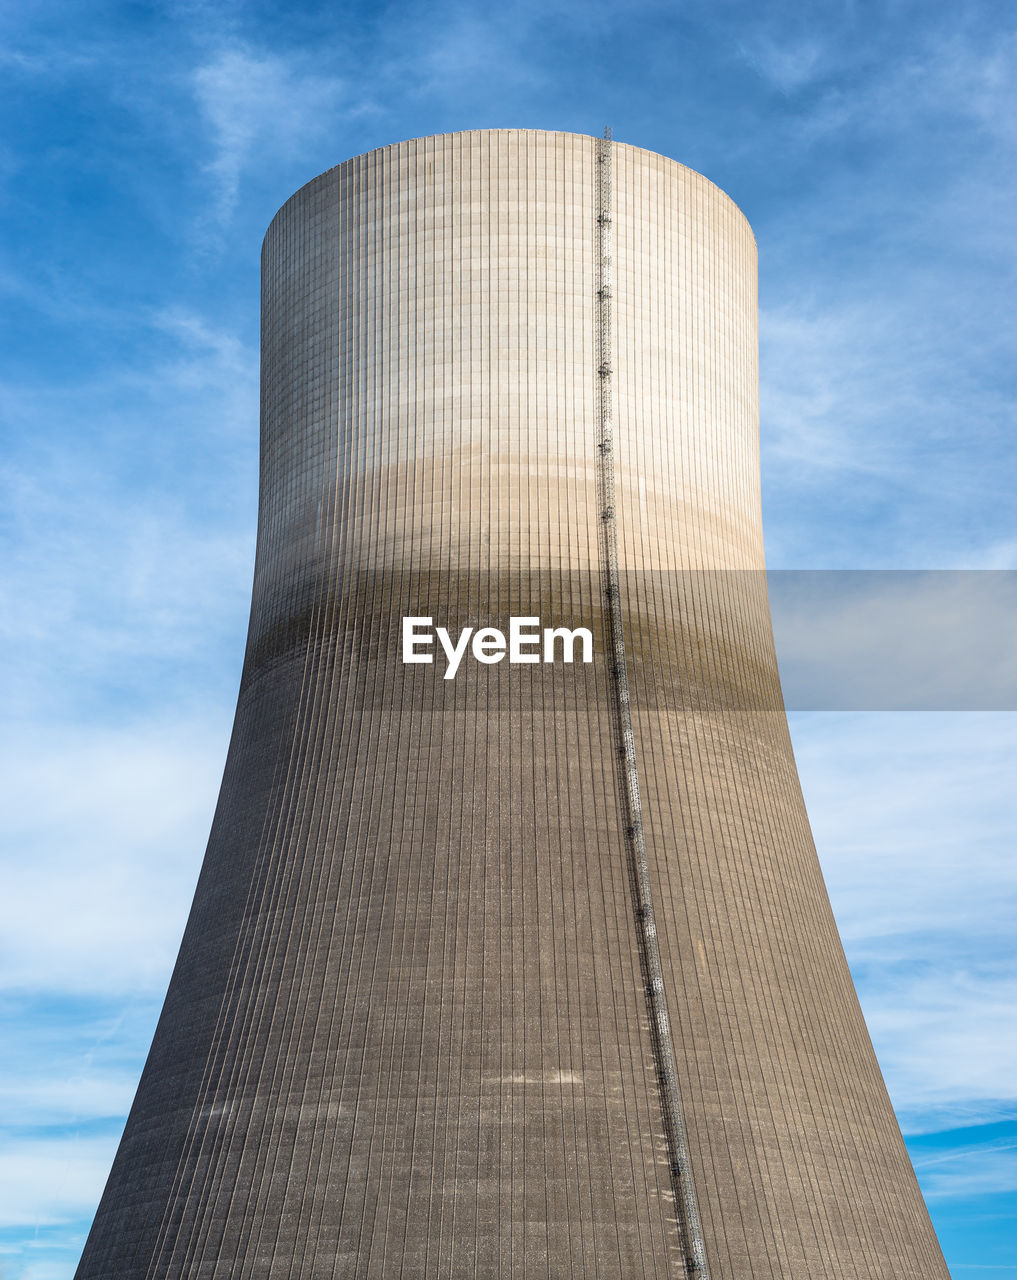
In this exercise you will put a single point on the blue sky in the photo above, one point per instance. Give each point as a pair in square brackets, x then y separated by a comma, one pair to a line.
[146, 147]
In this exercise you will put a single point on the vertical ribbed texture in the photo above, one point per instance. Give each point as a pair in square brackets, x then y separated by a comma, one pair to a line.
[407, 1034]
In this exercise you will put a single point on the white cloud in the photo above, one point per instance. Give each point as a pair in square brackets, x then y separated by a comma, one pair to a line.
[258, 106]
[947, 1045]
[887, 385]
[47, 62]
[75, 1096]
[49, 1181]
[210, 360]
[885, 81]
[882, 387]
[106, 832]
[129, 513]
[826, 379]
[915, 820]
[789, 64]
[468, 46]
[985, 1169]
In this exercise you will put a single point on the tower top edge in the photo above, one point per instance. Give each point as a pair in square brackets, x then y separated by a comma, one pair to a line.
[405, 143]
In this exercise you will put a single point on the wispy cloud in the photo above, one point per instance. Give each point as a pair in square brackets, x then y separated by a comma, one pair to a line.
[915, 820]
[882, 358]
[256, 105]
[967, 1171]
[114, 567]
[107, 828]
[467, 46]
[51, 1181]
[789, 64]
[947, 1044]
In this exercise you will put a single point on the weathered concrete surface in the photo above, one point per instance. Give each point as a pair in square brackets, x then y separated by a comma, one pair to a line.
[407, 1032]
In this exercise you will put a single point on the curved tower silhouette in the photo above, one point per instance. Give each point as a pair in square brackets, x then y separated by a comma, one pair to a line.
[515, 967]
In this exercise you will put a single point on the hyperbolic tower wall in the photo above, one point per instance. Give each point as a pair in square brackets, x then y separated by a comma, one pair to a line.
[416, 1028]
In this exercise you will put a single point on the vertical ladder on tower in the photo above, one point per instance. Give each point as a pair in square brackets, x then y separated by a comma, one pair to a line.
[690, 1228]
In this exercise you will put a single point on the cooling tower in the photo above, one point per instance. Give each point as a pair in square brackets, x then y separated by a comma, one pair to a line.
[503, 964]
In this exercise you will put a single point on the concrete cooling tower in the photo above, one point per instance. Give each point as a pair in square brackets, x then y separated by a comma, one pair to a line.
[510, 956]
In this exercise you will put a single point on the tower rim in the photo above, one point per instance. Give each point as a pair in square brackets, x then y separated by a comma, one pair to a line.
[501, 131]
